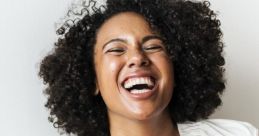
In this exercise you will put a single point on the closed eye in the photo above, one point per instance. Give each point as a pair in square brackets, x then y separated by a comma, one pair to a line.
[116, 51]
[153, 48]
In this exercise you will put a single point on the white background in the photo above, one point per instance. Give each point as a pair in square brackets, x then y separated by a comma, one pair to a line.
[27, 33]
[240, 25]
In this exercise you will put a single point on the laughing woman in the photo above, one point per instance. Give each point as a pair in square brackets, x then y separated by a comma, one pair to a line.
[139, 68]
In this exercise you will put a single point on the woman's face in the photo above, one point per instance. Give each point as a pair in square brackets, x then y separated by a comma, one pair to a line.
[134, 72]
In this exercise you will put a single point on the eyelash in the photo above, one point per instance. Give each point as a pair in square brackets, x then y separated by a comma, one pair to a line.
[153, 47]
[121, 50]
[118, 50]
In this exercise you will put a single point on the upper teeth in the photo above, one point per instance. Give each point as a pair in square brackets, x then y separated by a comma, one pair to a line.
[138, 80]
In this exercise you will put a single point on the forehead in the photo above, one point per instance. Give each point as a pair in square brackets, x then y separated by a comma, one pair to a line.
[124, 24]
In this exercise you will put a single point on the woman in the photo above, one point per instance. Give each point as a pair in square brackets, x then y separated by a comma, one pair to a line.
[139, 68]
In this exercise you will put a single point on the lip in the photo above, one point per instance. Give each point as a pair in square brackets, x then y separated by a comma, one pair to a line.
[140, 96]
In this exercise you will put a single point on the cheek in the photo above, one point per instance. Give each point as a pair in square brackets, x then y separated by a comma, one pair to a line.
[165, 68]
[109, 70]
[113, 66]
[163, 63]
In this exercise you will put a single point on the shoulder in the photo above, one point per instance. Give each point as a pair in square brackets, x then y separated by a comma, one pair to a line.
[217, 127]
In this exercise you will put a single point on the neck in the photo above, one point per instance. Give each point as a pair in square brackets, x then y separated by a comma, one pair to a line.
[157, 126]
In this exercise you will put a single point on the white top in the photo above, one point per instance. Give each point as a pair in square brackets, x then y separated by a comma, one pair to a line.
[217, 127]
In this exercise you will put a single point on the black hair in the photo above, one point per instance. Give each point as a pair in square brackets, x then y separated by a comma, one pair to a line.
[193, 40]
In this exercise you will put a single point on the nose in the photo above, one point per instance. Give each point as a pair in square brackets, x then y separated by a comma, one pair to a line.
[138, 59]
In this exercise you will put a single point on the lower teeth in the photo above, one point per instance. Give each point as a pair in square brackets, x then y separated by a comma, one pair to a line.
[134, 91]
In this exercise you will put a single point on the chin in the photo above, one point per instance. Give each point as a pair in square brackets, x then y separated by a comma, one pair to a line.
[142, 116]
[145, 115]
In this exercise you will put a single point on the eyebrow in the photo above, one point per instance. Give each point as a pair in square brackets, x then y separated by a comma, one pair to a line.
[115, 40]
[150, 37]
[145, 39]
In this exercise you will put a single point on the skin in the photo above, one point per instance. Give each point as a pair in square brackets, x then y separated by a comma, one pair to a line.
[126, 46]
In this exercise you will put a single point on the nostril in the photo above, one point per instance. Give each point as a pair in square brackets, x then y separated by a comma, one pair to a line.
[131, 65]
[145, 62]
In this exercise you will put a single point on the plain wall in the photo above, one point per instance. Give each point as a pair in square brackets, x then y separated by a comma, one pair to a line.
[27, 33]
[240, 25]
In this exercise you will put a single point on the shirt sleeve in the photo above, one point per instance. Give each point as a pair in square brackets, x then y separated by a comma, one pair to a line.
[217, 127]
[238, 128]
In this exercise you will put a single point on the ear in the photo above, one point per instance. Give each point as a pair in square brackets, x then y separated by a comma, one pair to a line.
[97, 90]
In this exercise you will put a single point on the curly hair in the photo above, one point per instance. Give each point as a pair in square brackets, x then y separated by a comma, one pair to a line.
[193, 41]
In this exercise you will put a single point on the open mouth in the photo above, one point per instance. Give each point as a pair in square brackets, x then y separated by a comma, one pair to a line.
[139, 85]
